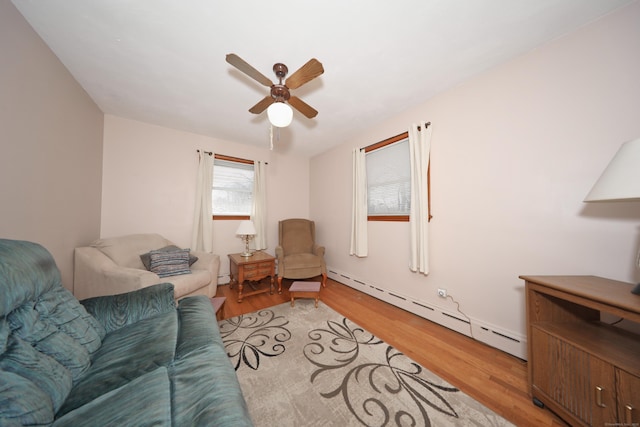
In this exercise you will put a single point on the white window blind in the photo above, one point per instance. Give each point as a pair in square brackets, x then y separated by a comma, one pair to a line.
[389, 179]
[232, 192]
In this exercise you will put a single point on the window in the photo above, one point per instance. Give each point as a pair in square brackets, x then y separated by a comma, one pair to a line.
[389, 179]
[232, 192]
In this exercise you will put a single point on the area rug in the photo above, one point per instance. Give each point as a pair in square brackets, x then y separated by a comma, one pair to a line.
[307, 366]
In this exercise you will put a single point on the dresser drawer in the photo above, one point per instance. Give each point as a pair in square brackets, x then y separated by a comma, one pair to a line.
[266, 267]
[250, 274]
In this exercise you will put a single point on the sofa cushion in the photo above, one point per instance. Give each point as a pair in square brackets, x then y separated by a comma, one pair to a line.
[170, 263]
[23, 403]
[43, 371]
[116, 311]
[125, 354]
[146, 257]
[205, 387]
[60, 308]
[125, 251]
[25, 322]
[145, 400]
[27, 270]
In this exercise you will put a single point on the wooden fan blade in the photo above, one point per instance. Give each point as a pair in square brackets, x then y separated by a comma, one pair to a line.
[262, 105]
[306, 73]
[243, 66]
[303, 107]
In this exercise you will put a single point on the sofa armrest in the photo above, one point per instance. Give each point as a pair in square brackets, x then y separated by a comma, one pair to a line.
[279, 252]
[117, 311]
[95, 274]
[210, 262]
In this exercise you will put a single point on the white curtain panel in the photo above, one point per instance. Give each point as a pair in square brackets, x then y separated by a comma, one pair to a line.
[202, 237]
[359, 240]
[259, 209]
[419, 149]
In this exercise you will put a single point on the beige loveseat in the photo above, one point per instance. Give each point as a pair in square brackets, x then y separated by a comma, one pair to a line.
[113, 266]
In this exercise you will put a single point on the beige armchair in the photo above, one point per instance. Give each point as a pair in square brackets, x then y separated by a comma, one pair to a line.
[298, 255]
[113, 266]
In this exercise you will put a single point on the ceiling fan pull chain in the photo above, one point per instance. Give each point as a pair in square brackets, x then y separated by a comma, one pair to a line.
[271, 137]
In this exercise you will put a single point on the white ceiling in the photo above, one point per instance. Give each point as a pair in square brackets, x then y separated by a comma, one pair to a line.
[163, 61]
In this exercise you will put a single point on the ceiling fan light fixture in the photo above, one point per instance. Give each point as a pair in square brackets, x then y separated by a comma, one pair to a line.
[280, 114]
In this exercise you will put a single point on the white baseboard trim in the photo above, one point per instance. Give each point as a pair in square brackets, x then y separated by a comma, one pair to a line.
[507, 341]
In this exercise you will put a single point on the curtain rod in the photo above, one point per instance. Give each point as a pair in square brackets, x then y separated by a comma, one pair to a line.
[391, 140]
[231, 158]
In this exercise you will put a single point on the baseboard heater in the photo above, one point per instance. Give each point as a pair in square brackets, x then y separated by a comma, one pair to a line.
[507, 341]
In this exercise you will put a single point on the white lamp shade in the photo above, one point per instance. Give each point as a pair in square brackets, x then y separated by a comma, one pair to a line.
[621, 179]
[246, 228]
[280, 114]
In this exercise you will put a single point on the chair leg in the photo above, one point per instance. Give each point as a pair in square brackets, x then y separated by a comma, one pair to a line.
[279, 285]
[324, 280]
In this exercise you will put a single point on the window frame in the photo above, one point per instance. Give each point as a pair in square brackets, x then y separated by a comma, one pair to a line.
[237, 160]
[397, 218]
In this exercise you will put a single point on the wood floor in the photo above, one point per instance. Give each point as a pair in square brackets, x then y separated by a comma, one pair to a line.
[492, 377]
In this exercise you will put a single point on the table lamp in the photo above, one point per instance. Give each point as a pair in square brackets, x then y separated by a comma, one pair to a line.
[246, 230]
[620, 181]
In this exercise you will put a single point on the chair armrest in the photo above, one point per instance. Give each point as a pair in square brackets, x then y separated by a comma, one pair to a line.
[279, 253]
[117, 311]
[318, 250]
[95, 274]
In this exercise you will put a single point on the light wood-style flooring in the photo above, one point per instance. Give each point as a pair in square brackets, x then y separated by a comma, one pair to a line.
[492, 377]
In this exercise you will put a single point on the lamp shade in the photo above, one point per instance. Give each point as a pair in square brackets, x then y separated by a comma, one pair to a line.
[280, 114]
[621, 179]
[246, 228]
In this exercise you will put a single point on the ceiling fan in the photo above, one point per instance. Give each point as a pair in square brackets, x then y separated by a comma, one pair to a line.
[280, 114]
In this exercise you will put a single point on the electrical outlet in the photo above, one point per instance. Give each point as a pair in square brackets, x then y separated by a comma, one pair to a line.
[442, 293]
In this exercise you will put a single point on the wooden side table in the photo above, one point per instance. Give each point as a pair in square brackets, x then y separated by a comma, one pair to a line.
[254, 268]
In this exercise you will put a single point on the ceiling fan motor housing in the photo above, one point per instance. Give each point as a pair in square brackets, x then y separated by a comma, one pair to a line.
[280, 92]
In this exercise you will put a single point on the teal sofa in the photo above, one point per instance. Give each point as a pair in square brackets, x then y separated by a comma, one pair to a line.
[133, 359]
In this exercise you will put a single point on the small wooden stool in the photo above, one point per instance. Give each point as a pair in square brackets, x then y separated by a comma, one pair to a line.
[305, 290]
[218, 304]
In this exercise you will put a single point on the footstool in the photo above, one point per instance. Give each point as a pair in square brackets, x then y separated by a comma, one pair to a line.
[305, 290]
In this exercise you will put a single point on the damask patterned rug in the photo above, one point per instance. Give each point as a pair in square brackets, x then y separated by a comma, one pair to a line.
[306, 366]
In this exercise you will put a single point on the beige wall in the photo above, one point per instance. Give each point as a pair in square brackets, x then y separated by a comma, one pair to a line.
[514, 152]
[50, 147]
[149, 184]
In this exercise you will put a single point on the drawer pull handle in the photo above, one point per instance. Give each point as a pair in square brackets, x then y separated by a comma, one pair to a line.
[599, 391]
[628, 414]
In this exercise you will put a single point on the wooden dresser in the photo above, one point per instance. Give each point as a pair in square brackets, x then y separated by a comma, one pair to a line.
[585, 370]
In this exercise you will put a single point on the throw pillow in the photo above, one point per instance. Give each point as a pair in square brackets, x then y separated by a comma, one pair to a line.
[146, 258]
[170, 263]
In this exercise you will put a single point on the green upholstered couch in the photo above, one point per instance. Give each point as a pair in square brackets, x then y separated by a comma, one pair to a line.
[133, 359]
